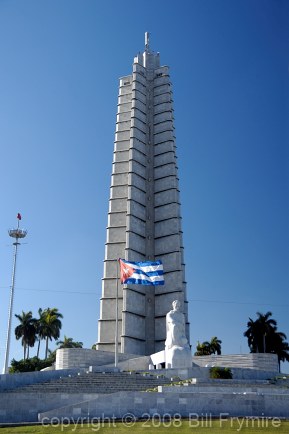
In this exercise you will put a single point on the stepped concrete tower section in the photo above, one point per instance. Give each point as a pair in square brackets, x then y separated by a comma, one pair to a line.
[144, 220]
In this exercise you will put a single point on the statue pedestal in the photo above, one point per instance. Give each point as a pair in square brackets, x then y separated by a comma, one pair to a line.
[178, 357]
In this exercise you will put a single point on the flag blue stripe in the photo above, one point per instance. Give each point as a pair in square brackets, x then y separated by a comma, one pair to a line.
[144, 264]
[143, 282]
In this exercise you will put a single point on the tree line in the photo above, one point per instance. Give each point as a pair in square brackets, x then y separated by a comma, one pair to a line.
[44, 328]
[262, 335]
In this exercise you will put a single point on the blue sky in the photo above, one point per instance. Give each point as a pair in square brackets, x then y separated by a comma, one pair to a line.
[60, 63]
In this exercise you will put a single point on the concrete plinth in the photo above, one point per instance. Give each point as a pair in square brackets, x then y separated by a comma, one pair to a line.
[178, 357]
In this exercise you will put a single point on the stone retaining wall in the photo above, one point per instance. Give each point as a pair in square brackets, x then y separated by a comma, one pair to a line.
[264, 362]
[67, 358]
[143, 404]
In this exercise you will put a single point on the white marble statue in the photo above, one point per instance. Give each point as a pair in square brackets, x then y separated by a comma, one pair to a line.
[177, 350]
[175, 321]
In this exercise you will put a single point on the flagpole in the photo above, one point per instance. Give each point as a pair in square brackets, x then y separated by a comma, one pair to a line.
[17, 234]
[116, 318]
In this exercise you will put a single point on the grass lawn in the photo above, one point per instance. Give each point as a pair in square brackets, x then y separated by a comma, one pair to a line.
[243, 425]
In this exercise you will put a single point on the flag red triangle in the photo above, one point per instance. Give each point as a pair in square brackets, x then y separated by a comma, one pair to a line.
[126, 271]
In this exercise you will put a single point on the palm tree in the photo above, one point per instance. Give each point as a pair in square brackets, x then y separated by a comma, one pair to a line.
[266, 327]
[251, 334]
[207, 348]
[40, 326]
[258, 332]
[263, 337]
[51, 325]
[26, 330]
[277, 344]
[215, 346]
[282, 352]
[69, 343]
[203, 349]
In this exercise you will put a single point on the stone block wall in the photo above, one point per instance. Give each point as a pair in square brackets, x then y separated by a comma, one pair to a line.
[265, 362]
[68, 358]
[188, 405]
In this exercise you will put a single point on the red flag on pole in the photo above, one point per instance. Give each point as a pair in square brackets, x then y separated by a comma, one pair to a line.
[19, 216]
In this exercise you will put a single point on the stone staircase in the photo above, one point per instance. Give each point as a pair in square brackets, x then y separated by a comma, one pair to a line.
[82, 394]
[95, 382]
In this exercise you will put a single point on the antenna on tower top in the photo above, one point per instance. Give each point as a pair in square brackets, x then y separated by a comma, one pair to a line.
[147, 41]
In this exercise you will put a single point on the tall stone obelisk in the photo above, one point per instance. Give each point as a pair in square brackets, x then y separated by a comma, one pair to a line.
[144, 220]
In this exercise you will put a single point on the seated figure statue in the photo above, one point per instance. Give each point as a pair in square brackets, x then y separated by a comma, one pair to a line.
[175, 322]
[178, 354]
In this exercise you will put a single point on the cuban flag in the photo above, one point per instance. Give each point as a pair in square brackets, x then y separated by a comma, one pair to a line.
[141, 273]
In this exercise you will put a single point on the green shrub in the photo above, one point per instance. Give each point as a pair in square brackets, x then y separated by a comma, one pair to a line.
[223, 373]
[31, 365]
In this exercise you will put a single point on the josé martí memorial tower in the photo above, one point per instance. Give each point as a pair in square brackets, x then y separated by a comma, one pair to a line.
[144, 218]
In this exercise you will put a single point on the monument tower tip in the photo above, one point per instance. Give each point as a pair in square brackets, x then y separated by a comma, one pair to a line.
[147, 41]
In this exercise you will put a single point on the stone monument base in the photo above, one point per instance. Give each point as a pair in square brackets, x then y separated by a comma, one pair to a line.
[178, 357]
